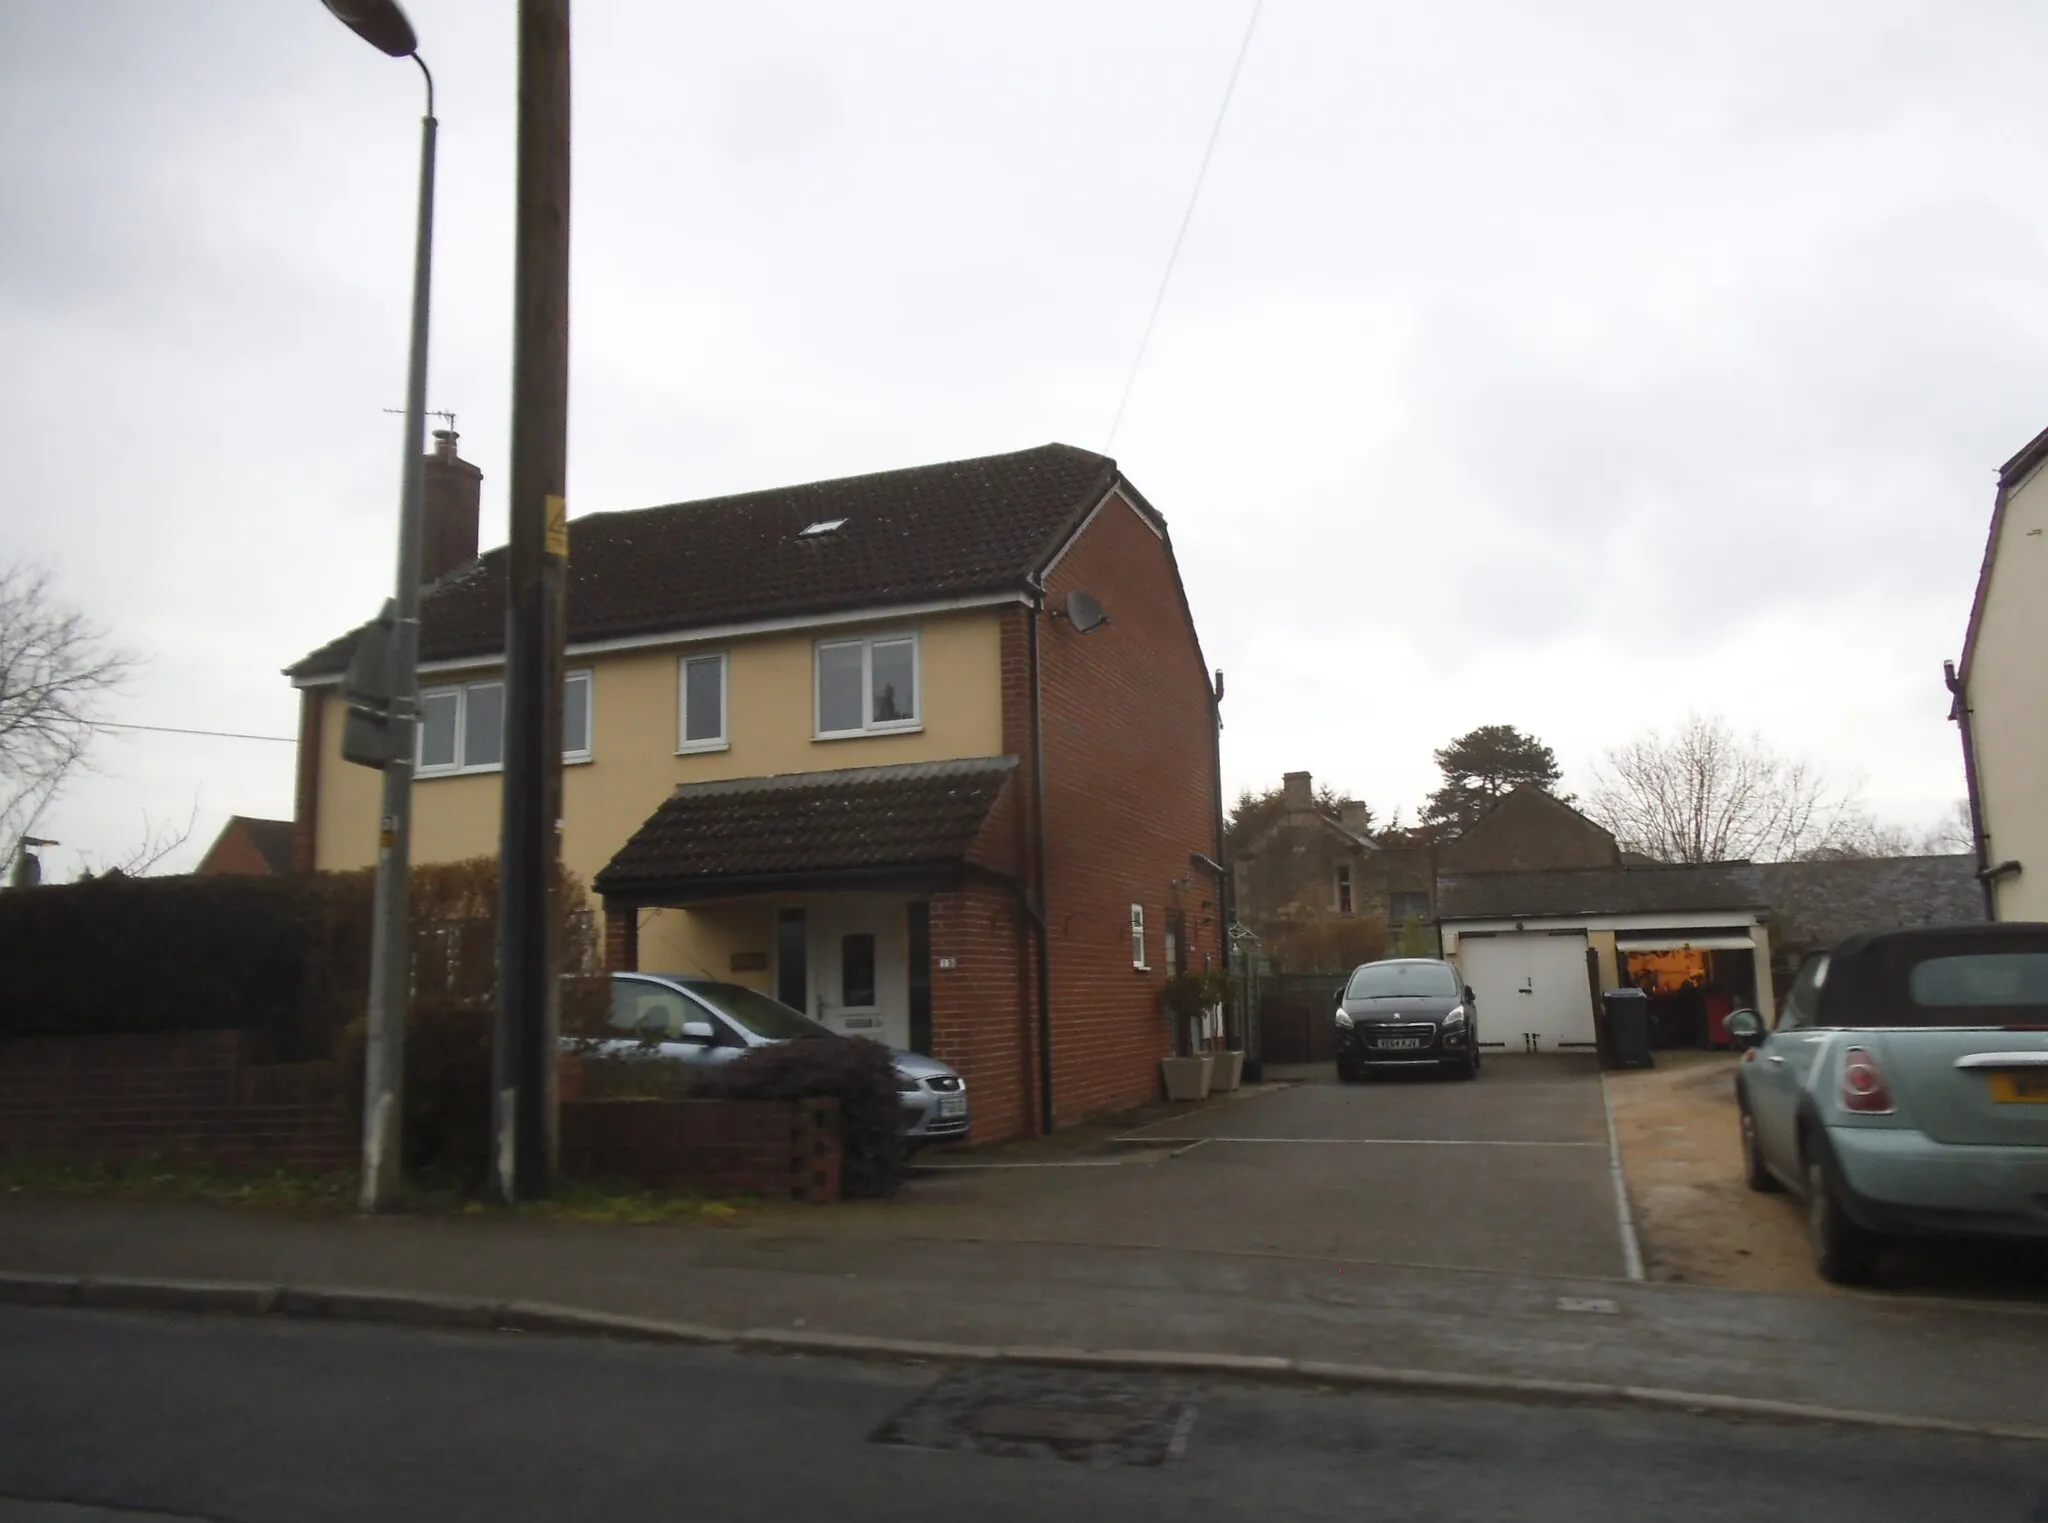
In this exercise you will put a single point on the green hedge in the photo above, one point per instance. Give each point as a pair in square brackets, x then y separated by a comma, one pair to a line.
[283, 959]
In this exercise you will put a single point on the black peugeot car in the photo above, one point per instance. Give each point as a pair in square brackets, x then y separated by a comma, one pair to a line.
[1407, 1012]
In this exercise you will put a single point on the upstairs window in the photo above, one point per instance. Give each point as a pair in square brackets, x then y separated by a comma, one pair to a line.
[1138, 938]
[1343, 890]
[462, 729]
[868, 686]
[702, 704]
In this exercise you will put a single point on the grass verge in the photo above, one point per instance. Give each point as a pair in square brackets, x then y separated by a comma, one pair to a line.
[334, 1194]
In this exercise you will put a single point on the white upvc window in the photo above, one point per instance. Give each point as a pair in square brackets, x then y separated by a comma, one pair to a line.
[702, 705]
[1138, 939]
[579, 715]
[868, 686]
[462, 728]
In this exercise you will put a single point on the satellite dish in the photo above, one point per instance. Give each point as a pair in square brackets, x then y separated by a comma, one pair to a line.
[1084, 613]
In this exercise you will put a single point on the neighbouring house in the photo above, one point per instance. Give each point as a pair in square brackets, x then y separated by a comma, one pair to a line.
[261, 848]
[1999, 694]
[931, 754]
[1322, 889]
[1527, 830]
[1538, 947]
[1307, 868]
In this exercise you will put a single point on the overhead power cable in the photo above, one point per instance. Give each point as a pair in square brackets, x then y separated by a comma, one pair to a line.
[171, 729]
[1187, 216]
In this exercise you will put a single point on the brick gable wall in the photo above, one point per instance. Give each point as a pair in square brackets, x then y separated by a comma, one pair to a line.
[1130, 761]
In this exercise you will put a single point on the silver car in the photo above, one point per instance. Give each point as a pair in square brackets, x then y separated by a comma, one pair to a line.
[704, 1022]
[1904, 1090]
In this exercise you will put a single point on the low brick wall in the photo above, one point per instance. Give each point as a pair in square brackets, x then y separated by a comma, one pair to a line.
[181, 1095]
[776, 1148]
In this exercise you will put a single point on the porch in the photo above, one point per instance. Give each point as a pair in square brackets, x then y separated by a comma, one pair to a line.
[882, 901]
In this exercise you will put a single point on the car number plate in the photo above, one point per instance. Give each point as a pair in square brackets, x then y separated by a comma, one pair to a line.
[2020, 1088]
[952, 1105]
[1400, 1041]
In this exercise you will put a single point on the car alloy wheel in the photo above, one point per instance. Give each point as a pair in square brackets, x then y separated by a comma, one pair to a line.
[1842, 1251]
[1759, 1177]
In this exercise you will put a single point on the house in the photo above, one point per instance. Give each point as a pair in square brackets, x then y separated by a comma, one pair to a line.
[1537, 947]
[260, 848]
[931, 754]
[1305, 869]
[1527, 830]
[1999, 694]
[1305, 866]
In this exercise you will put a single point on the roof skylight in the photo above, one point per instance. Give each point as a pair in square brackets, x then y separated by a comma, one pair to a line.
[822, 526]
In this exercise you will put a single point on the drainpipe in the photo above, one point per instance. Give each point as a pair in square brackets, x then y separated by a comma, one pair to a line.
[1980, 837]
[1044, 916]
[1226, 906]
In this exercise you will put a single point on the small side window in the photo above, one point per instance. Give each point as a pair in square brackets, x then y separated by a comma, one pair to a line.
[1138, 938]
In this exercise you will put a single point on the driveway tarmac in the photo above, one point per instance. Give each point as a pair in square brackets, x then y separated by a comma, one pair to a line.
[1510, 1172]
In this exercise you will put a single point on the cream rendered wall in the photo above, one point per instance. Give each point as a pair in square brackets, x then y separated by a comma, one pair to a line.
[634, 765]
[2008, 694]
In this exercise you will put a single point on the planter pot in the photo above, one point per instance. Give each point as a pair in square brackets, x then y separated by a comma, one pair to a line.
[1186, 1078]
[1226, 1070]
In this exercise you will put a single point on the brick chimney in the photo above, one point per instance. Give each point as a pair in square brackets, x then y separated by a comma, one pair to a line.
[1295, 791]
[449, 508]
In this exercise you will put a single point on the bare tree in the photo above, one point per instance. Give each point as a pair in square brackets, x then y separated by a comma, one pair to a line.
[55, 666]
[1953, 834]
[157, 842]
[1706, 795]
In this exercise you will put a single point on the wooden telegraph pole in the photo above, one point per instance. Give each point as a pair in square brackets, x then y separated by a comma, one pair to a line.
[528, 1014]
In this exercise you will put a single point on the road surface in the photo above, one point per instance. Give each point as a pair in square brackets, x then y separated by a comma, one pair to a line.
[105, 1416]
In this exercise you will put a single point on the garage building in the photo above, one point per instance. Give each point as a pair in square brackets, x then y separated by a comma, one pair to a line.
[1538, 947]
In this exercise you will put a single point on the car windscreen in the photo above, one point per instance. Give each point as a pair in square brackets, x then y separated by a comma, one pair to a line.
[1394, 980]
[1977, 989]
[767, 1018]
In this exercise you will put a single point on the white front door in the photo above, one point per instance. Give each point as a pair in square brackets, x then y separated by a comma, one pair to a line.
[1534, 995]
[860, 982]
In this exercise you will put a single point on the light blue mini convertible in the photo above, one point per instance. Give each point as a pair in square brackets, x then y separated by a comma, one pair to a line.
[1904, 1090]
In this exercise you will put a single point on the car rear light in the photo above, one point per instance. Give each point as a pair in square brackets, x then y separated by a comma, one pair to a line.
[1863, 1087]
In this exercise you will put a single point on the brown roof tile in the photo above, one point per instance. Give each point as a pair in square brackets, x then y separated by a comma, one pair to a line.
[923, 815]
[933, 531]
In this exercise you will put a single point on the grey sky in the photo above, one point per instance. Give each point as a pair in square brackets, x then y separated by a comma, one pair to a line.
[1564, 366]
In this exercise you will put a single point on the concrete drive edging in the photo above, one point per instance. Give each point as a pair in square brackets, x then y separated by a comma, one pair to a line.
[336, 1303]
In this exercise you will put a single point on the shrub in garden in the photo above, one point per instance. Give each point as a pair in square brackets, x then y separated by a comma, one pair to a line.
[859, 1074]
[447, 1088]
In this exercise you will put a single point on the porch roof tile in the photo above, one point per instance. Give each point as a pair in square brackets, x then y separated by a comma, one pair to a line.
[922, 815]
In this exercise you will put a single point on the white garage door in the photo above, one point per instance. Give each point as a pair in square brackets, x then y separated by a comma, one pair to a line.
[1532, 988]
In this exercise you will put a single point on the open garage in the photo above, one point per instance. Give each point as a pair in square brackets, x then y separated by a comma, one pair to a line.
[1538, 947]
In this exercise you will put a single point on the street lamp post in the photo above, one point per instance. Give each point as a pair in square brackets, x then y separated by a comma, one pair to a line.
[384, 26]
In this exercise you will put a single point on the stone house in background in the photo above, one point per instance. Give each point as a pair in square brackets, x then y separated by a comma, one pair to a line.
[1306, 865]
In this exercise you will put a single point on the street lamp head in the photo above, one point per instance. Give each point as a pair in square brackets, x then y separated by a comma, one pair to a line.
[380, 23]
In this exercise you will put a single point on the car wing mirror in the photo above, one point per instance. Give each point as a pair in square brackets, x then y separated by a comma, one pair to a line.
[699, 1031]
[1470, 997]
[1746, 1029]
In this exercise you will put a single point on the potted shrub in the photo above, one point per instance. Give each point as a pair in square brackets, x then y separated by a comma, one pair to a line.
[1226, 1063]
[1186, 1074]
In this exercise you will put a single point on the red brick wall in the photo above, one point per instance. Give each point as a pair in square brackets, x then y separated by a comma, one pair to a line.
[234, 852]
[183, 1096]
[1130, 762]
[783, 1149]
[982, 1010]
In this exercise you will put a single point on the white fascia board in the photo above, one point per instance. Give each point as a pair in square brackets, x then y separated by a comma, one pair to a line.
[713, 632]
[1693, 920]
